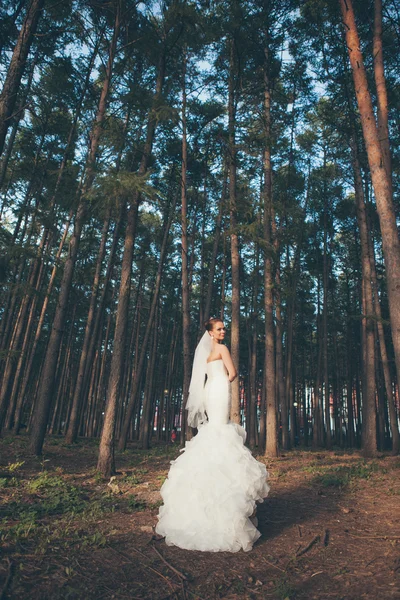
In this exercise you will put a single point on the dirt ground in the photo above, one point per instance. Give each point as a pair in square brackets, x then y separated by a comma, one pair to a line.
[330, 529]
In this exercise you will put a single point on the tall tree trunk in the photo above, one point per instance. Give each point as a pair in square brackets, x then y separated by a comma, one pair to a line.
[317, 440]
[349, 373]
[325, 317]
[106, 462]
[72, 431]
[253, 397]
[39, 327]
[394, 428]
[380, 181]
[223, 281]
[10, 27]
[146, 420]
[129, 411]
[8, 96]
[184, 257]
[280, 383]
[235, 257]
[91, 329]
[271, 448]
[368, 439]
[41, 415]
[24, 352]
[17, 335]
[13, 297]
[216, 241]
[20, 111]
[104, 293]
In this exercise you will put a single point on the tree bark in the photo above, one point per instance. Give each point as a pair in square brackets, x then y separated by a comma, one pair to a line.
[20, 111]
[184, 256]
[235, 256]
[394, 428]
[216, 241]
[349, 371]
[325, 318]
[271, 447]
[368, 438]
[146, 420]
[8, 96]
[381, 92]
[252, 424]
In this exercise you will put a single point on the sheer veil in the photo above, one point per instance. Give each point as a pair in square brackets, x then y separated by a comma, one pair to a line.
[195, 404]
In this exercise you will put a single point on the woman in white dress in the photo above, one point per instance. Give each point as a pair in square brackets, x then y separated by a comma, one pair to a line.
[213, 486]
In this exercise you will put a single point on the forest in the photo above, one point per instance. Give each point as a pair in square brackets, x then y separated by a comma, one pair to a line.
[164, 162]
[161, 163]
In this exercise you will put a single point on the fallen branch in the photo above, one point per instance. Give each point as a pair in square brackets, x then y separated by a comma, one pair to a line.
[272, 565]
[309, 546]
[184, 597]
[148, 566]
[374, 537]
[326, 537]
[181, 575]
[10, 573]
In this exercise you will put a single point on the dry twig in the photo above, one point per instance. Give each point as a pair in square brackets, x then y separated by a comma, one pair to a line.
[299, 528]
[326, 537]
[148, 566]
[10, 573]
[181, 575]
[309, 546]
[374, 537]
[272, 565]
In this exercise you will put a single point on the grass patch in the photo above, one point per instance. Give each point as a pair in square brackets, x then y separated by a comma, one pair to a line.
[136, 505]
[283, 589]
[47, 509]
[344, 475]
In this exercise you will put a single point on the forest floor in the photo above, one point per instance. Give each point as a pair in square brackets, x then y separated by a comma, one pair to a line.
[330, 529]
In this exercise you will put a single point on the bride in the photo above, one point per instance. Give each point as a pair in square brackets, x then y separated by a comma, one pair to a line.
[213, 486]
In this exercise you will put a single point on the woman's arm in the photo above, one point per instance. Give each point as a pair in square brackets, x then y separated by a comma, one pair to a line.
[227, 360]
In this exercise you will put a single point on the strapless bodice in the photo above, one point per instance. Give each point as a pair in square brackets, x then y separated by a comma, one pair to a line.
[216, 368]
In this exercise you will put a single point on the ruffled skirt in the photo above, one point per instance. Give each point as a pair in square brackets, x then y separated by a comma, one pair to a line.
[211, 492]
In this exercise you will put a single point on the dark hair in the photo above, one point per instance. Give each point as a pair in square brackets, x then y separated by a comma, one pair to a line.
[209, 325]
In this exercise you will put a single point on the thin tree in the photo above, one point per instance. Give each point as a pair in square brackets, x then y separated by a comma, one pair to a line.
[271, 447]
[184, 252]
[235, 256]
[368, 437]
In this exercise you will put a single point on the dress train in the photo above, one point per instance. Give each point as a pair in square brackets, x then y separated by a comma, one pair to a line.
[213, 486]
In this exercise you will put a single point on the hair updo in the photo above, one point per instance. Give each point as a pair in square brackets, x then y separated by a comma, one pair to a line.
[209, 325]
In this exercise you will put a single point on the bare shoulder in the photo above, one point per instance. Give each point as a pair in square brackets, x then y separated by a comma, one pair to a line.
[224, 350]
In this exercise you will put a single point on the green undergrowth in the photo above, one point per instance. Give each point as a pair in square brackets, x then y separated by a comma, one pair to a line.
[51, 508]
[47, 508]
[344, 475]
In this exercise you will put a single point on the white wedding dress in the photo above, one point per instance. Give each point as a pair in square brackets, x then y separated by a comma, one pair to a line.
[213, 486]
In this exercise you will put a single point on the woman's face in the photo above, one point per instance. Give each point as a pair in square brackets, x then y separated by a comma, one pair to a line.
[218, 332]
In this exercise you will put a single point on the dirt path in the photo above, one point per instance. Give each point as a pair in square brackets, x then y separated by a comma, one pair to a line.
[330, 529]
